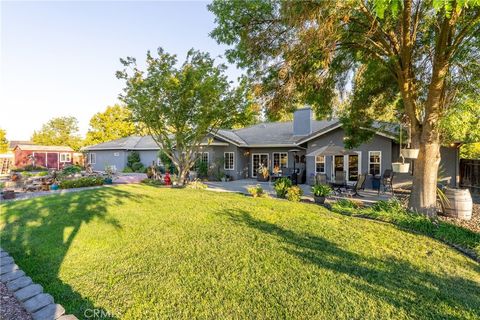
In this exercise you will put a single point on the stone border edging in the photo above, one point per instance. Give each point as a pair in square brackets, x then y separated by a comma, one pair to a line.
[38, 304]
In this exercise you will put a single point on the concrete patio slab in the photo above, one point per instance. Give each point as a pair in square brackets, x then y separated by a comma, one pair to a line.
[240, 186]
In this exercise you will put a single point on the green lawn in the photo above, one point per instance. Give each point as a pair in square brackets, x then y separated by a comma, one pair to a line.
[141, 252]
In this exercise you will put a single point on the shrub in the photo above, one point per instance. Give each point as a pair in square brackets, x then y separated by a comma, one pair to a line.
[322, 190]
[138, 167]
[294, 193]
[127, 170]
[81, 182]
[29, 168]
[71, 170]
[256, 191]
[133, 157]
[202, 169]
[42, 173]
[152, 182]
[281, 186]
[197, 184]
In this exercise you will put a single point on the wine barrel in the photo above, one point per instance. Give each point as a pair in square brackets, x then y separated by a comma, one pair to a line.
[460, 204]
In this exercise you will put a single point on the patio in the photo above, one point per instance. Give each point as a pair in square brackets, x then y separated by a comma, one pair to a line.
[369, 196]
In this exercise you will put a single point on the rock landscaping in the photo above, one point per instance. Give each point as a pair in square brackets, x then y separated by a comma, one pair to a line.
[23, 299]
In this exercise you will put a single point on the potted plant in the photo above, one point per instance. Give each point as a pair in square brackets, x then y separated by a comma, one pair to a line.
[320, 192]
[263, 174]
[109, 171]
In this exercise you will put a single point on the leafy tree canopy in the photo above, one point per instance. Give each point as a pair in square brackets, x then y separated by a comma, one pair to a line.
[306, 52]
[62, 131]
[3, 141]
[416, 59]
[181, 104]
[114, 123]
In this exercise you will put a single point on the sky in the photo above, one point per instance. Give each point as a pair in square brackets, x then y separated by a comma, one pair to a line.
[59, 58]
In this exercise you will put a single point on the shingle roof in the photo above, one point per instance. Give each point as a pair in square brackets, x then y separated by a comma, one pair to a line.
[127, 143]
[263, 134]
[32, 147]
[277, 133]
[13, 143]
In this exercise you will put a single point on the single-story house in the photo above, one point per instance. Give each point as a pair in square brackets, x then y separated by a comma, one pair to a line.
[282, 144]
[52, 157]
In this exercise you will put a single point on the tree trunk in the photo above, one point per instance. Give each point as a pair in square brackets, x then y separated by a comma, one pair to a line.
[182, 175]
[424, 191]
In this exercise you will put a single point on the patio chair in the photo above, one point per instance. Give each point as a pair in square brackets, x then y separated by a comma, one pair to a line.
[386, 181]
[359, 185]
[339, 181]
[320, 178]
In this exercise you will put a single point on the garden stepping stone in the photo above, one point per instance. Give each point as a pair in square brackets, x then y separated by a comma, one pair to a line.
[19, 283]
[38, 302]
[8, 268]
[11, 276]
[28, 292]
[68, 317]
[6, 260]
[51, 311]
[41, 306]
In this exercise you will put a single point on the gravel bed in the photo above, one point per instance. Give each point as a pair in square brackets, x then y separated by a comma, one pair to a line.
[472, 224]
[10, 308]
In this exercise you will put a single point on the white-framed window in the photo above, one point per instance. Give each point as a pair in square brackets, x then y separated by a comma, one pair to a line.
[229, 162]
[374, 162]
[116, 154]
[92, 158]
[65, 157]
[205, 157]
[280, 159]
[319, 164]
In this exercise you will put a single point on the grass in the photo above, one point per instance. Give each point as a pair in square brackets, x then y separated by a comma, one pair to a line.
[141, 252]
[392, 211]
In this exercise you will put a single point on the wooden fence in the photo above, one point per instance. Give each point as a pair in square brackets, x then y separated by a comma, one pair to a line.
[470, 174]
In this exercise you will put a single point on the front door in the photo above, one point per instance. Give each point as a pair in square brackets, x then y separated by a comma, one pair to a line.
[353, 167]
[338, 165]
[257, 159]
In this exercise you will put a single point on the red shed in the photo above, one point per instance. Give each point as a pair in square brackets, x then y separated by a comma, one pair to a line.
[54, 157]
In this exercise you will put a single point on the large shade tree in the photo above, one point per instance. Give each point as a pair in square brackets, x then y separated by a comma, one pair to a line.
[181, 104]
[417, 59]
[113, 123]
[61, 131]
[3, 141]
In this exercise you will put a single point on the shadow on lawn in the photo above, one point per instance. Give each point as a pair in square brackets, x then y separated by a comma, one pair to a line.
[56, 219]
[395, 281]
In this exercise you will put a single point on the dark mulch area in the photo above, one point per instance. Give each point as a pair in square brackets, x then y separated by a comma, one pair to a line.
[10, 308]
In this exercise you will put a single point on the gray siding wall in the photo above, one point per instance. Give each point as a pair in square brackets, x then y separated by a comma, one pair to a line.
[108, 158]
[217, 153]
[378, 143]
[147, 157]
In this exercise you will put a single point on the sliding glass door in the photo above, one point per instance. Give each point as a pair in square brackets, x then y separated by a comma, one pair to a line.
[257, 160]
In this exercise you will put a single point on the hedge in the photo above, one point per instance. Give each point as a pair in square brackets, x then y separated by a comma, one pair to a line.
[81, 182]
